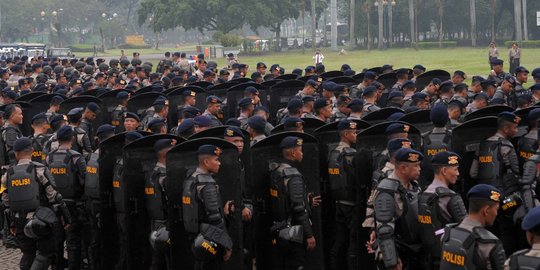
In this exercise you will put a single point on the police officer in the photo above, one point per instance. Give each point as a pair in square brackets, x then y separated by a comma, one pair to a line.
[157, 126]
[528, 143]
[29, 193]
[497, 73]
[54, 107]
[293, 124]
[255, 127]
[93, 199]
[156, 204]
[202, 202]
[436, 140]
[10, 132]
[292, 232]
[117, 115]
[528, 258]
[392, 131]
[438, 205]
[82, 140]
[322, 109]
[119, 201]
[235, 136]
[395, 221]
[213, 107]
[497, 164]
[370, 99]
[389, 166]
[293, 109]
[40, 126]
[160, 111]
[246, 107]
[89, 116]
[356, 107]
[69, 170]
[342, 110]
[344, 253]
[469, 245]
[131, 122]
[505, 89]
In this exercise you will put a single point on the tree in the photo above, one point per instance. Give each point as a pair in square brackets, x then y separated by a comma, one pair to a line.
[271, 14]
[473, 22]
[411, 20]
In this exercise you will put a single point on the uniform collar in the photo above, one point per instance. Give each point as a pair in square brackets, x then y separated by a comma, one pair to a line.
[471, 222]
[536, 246]
[24, 161]
[201, 171]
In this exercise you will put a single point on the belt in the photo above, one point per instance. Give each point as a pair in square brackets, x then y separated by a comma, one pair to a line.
[348, 203]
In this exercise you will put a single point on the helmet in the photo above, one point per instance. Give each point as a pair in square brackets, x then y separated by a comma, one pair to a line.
[159, 240]
[88, 69]
[204, 249]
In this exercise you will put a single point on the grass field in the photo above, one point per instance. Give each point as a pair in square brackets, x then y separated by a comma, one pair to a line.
[473, 61]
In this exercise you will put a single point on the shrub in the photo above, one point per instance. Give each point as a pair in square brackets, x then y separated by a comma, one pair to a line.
[134, 47]
[524, 43]
[229, 40]
[434, 44]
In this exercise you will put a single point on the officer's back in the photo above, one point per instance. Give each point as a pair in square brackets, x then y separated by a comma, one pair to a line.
[528, 258]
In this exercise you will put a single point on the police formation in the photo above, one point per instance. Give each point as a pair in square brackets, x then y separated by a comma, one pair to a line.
[199, 168]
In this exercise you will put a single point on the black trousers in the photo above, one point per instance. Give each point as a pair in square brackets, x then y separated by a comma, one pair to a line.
[288, 255]
[121, 222]
[161, 259]
[92, 237]
[36, 253]
[344, 253]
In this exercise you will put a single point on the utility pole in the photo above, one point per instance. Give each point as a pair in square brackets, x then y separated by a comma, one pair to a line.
[352, 39]
[313, 25]
[411, 21]
[473, 22]
[524, 15]
[333, 26]
[517, 20]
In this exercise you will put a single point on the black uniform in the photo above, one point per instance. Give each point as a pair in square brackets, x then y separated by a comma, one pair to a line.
[156, 206]
[68, 168]
[342, 182]
[291, 215]
[8, 134]
[82, 142]
[30, 188]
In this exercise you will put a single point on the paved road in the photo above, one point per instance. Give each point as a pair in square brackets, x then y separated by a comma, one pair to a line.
[9, 258]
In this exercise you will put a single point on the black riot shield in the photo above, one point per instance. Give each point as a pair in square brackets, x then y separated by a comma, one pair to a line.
[182, 162]
[109, 102]
[91, 92]
[41, 103]
[332, 74]
[359, 77]
[202, 84]
[348, 81]
[388, 80]
[139, 162]
[310, 125]
[81, 101]
[167, 91]
[139, 103]
[220, 90]
[465, 141]
[420, 119]
[236, 93]
[176, 101]
[374, 139]
[328, 137]
[381, 115]
[28, 97]
[281, 93]
[287, 77]
[261, 155]
[425, 78]
[270, 83]
[144, 90]
[241, 80]
[523, 125]
[492, 110]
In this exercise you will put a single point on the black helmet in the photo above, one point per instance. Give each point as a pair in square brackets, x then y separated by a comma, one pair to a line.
[88, 69]
[80, 65]
[124, 63]
[102, 67]
[159, 240]
[114, 62]
[204, 249]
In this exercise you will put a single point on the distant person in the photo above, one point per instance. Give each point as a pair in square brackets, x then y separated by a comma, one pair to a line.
[123, 55]
[493, 53]
[514, 54]
[318, 57]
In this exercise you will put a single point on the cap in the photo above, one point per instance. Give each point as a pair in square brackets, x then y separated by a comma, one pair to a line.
[39, 116]
[408, 84]
[436, 81]
[161, 100]
[75, 111]
[261, 108]
[256, 75]
[57, 118]
[213, 99]
[536, 73]
[190, 112]
[477, 79]
[419, 67]
[311, 83]
[356, 102]
[328, 86]
[133, 135]
[122, 95]
[261, 64]
[420, 96]
[93, 107]
[202, 121]
[105, 128]
[394, 94]
[402, 71]
[64, 133]
[295, 104]
[257, 123]
[132, 116]
[346, 124]
[533, 114]
[481, 95]
[252, 90]
[370, 75]
[460, 74]
[245, 102]
[397, 128]
[163, 144]
[22, 144]
[408, 155]
[487, 83]
[521, 69]
[497, 62]
[156, 122]
[233, 131]
[446, 158]
[291, 142]
[535, 87]
[209, 150]
[484, 191]
[186, 125]
[369, 90]
[511, 79]
[292, 122]
[509, 117]
[396, 144]
[189, 93]
[439, 115]
[320, 103]
[531, 220]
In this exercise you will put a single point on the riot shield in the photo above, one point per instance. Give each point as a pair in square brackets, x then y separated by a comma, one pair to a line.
[109, 102]
[139, 162]
[261, 155]
[91, 92]
[28, 97]
[332, 74]
[139, 103]
[310, 125]
[359, 77]
[41, 103]
[236, 93]
[81, 101]
[381, 115]
[270, 83]
[176, 100]
[281, 93]
[202, 84]
[374, 139]
[167, 91]
[523, 125]
[287, 77]
[348, 81]
[220, 91]
[377, 70]
[388, 80]
[182, 162]
[241, 80]
[465, 141]
[143, 90]
[425, 78]
[328, 137]
[420, 119]
[492, 110]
